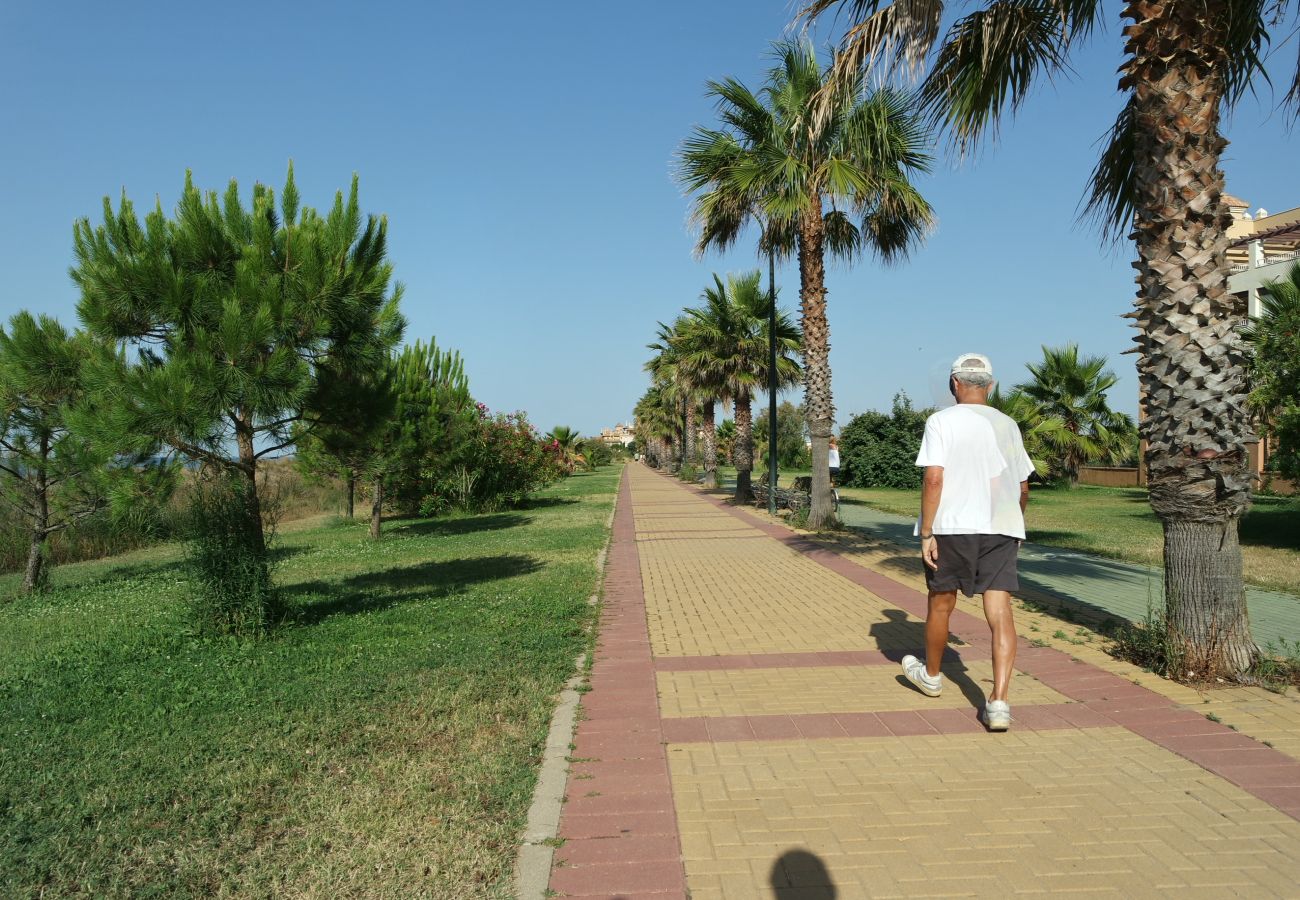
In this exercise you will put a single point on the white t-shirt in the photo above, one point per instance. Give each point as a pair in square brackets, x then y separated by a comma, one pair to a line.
[984, 462]
[835, 458]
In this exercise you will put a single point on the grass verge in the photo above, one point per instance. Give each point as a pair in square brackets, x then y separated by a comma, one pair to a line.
[382, 743]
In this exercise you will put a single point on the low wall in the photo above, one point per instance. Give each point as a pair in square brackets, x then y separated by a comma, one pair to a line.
[1278, 486]
[1108, 476]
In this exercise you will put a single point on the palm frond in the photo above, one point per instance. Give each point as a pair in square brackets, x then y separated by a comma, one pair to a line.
[1111, 201]
[989, 60]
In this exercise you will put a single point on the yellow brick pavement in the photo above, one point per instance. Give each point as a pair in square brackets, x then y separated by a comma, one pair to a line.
[822, 689]
[1262, 714]
[1098, 812]
[1087, 812]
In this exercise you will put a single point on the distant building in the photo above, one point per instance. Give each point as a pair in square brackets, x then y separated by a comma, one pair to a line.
[620, 434]
[1263, 249]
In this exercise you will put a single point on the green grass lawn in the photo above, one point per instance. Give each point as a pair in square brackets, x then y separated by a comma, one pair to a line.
[382, 744]
[1118, 523]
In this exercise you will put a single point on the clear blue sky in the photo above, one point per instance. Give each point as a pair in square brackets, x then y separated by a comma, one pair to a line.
[523, 154]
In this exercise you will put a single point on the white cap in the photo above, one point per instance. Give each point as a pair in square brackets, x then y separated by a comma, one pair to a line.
[972, 364]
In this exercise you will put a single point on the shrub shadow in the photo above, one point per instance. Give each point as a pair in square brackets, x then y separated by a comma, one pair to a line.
[900, 631]
[375, 591]
[460, 525]
[545, 502]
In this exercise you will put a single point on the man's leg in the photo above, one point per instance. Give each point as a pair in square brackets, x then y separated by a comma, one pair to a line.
[997, 609]
[940, 609]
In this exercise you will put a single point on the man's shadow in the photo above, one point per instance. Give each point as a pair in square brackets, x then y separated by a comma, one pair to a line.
[900, 636]
[801, 875]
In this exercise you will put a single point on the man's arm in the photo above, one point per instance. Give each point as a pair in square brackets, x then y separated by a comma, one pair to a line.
[931, 489]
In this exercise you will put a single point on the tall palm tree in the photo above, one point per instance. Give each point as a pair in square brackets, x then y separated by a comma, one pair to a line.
[728, 347]
[1073, 392]
[1159, 180]
[772, 158]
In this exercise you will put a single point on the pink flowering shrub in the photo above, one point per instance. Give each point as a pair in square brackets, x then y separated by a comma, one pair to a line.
[500, 461]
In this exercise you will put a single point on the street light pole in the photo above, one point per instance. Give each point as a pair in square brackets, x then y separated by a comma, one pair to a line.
[771, 382]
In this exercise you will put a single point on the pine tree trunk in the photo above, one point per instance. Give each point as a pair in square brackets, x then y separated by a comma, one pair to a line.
[352, 494]
[35, 576]
[1192, 359]
[818, 405]
[248, 468]
[744, 451]
[377, 509]
[710, 447]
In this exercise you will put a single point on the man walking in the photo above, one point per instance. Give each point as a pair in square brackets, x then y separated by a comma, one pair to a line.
[972, 521]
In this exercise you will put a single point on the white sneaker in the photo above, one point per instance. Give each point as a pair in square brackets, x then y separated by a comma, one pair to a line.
[914, 671]
[997, 715]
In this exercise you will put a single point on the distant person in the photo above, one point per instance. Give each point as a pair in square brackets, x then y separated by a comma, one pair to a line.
[973, 498]
[835, 459]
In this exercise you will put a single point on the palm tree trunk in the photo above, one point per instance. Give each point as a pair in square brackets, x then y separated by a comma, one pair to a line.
[710, 447]
[744, 449]
[1192, 362]
[818, 405]
[688, 438]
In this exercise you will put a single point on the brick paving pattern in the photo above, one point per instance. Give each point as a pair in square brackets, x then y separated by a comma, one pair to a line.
[747, 735]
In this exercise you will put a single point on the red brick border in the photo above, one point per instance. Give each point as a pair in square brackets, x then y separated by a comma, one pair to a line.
[619, 824]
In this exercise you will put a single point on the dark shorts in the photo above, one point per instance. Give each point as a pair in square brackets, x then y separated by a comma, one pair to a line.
[975, 563]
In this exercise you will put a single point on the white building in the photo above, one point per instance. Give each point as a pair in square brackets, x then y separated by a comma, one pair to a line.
[1264, 248]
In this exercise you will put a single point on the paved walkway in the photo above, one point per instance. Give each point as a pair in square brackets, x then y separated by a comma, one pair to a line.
[1105, 587]
[747, 736]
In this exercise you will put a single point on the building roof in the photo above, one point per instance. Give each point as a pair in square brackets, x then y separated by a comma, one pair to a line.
[1235, 201]
[1287, 232]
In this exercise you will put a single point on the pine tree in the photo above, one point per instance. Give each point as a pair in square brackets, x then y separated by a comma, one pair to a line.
[431, 406]
[231, 324]
[53, 476]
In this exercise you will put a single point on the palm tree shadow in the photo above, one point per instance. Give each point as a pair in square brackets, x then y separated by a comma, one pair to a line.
[902, 632]
[315, 601]
[802, 875]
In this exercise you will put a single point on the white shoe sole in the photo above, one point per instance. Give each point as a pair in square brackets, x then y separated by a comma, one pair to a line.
[921, 685]
[996, 724]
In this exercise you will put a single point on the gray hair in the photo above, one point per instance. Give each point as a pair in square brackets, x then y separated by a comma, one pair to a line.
[974, 379]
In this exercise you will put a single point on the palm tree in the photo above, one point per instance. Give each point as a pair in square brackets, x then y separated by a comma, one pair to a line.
[727, 343]
[772, 159]
[567, 443]
[1073, 392]
[655, 419]
[678, 381]
[1159, 180]
[727, 440]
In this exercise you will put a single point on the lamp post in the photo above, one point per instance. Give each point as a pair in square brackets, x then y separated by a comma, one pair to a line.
[771, 381]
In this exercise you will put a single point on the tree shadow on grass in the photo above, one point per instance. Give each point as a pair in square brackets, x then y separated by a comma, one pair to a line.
[461, 525]
[546, 502]
[900, 631]
[315, 601]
